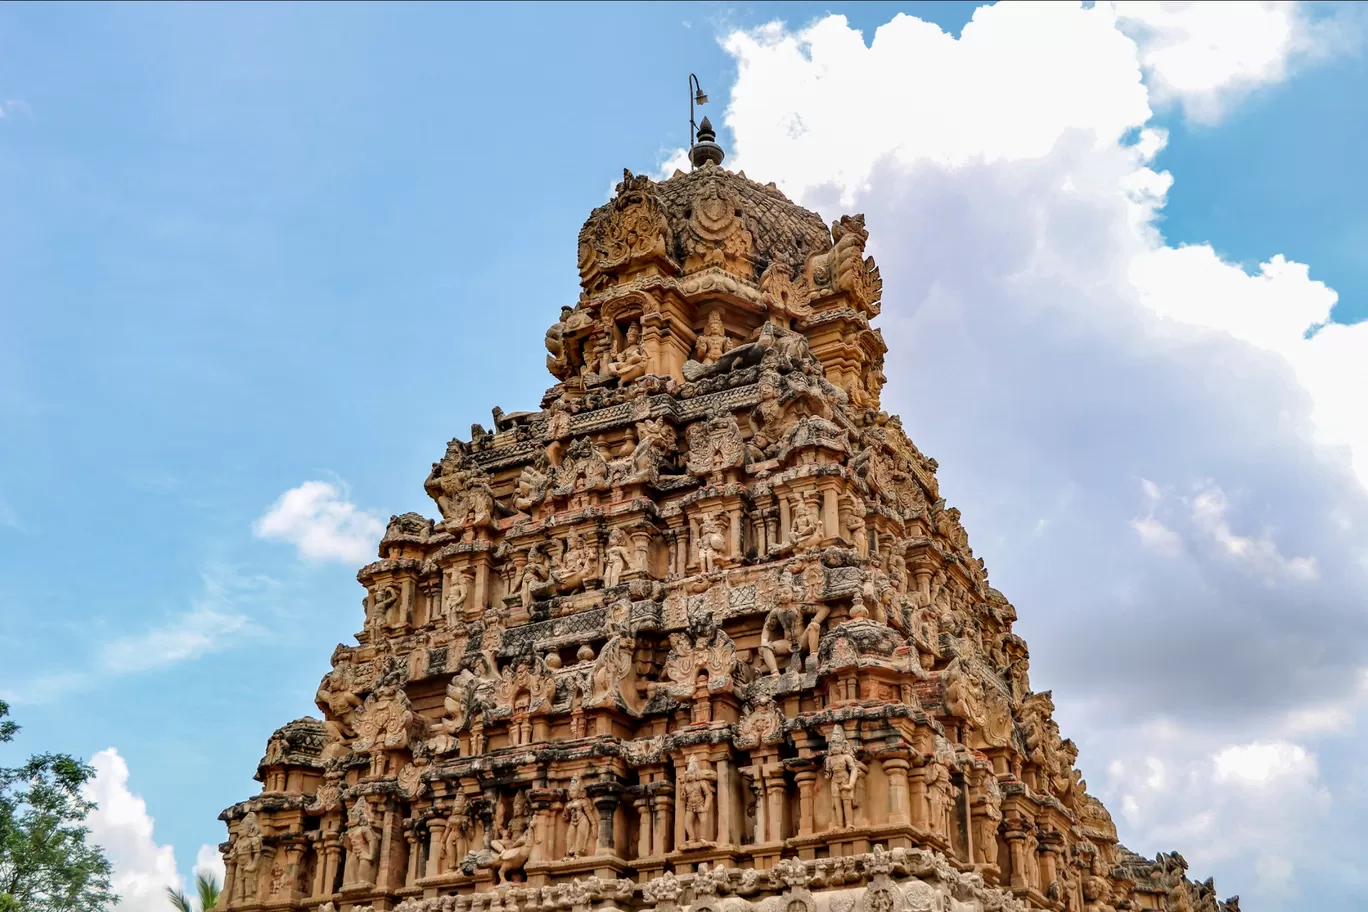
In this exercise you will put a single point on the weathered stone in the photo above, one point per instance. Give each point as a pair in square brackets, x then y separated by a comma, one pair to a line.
[700, 632]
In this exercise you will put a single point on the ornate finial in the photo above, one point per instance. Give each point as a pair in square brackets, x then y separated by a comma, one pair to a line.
[706, 149]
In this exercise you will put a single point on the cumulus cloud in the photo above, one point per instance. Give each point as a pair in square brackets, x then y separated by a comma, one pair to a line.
[1207, 57]
[143, 868]
[1157, 451]
[321, 523]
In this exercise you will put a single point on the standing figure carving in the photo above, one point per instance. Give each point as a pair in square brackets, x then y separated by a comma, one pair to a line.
[247, 849]
[363, 844]
[698, 793]
[843, 769]
[581, 822]
[456, 840]
[712, 542]
[617, 559]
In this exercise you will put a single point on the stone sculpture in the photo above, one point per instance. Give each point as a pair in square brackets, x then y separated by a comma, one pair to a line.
[698, 632]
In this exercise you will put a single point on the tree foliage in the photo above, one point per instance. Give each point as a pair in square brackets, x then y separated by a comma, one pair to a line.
[46, 865]
[205, 886]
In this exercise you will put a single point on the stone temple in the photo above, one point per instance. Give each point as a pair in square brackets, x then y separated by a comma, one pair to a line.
[699, 635]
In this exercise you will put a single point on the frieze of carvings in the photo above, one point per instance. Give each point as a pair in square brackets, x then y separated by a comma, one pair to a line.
[461, 488]
[704, 653]
[717, 233]
[524, 685]
[715, 446]
[631, 227]
[845, 268]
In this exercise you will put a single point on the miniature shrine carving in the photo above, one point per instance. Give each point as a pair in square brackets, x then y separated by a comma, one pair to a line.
[699, 632]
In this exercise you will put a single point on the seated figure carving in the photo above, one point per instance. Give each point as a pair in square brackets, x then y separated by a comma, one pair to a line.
[629, 363]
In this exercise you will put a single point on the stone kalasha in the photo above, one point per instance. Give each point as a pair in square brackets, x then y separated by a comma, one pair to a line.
[699, 627]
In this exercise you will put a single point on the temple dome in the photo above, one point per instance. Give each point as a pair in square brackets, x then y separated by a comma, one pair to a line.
[709, 216]
[782, 230]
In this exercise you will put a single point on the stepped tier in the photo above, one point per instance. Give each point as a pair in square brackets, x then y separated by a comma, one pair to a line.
[699, 632]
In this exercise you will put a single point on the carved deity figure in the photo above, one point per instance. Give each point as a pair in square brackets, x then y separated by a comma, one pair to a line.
[535, 574]
[581, 822]
[532, 487]
[458, 591]
[617, 559]
[630, 362]
[779, 635]
[339, 704]
[247, 850]
[363, 844]
[712, 343]
[940, 788]
[987, 819]
[766, 419]
[698, 794]
[383, 605]
[804, 528]
[843, 769]
[712, 542]
[512, 848]
[457, 706]
[855, 523]
[456, 840]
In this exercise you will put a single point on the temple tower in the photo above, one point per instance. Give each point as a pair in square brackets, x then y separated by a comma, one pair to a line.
[700, 631]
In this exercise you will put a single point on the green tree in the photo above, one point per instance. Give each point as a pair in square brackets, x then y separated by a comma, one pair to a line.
[46, 865]
[205, 886]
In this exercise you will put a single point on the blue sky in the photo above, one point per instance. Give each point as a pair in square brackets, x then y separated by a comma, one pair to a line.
[247, 246]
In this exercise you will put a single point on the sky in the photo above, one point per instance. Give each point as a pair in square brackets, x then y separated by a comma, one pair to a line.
[258, 263]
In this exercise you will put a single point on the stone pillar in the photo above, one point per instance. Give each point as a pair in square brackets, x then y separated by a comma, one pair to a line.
[229, 879]
[645, 827]
[776, 791]
[806, 777]
[294, 856]
[727, 825]
[385, 874]
[895, 763]
[641, 550]
[545, 810]
[831, 513]
[332, 858]
[665, 838]
[436, 828]
[1051, 846]
[785, 512]
[1016, 848]
[605, 796]
[918, 799]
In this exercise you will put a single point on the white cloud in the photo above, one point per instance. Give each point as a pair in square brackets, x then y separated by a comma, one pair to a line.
[143, 868]
[1209, 509]
[1008, 181]
[184, 637]
[209, 863]
[317, 518]
[1208, 55]
[1264, 763]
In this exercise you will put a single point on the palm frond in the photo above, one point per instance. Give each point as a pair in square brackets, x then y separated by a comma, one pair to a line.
[208, 889]
[179, 901]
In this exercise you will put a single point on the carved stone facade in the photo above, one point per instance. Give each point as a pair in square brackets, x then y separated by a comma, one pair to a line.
[700, 632]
